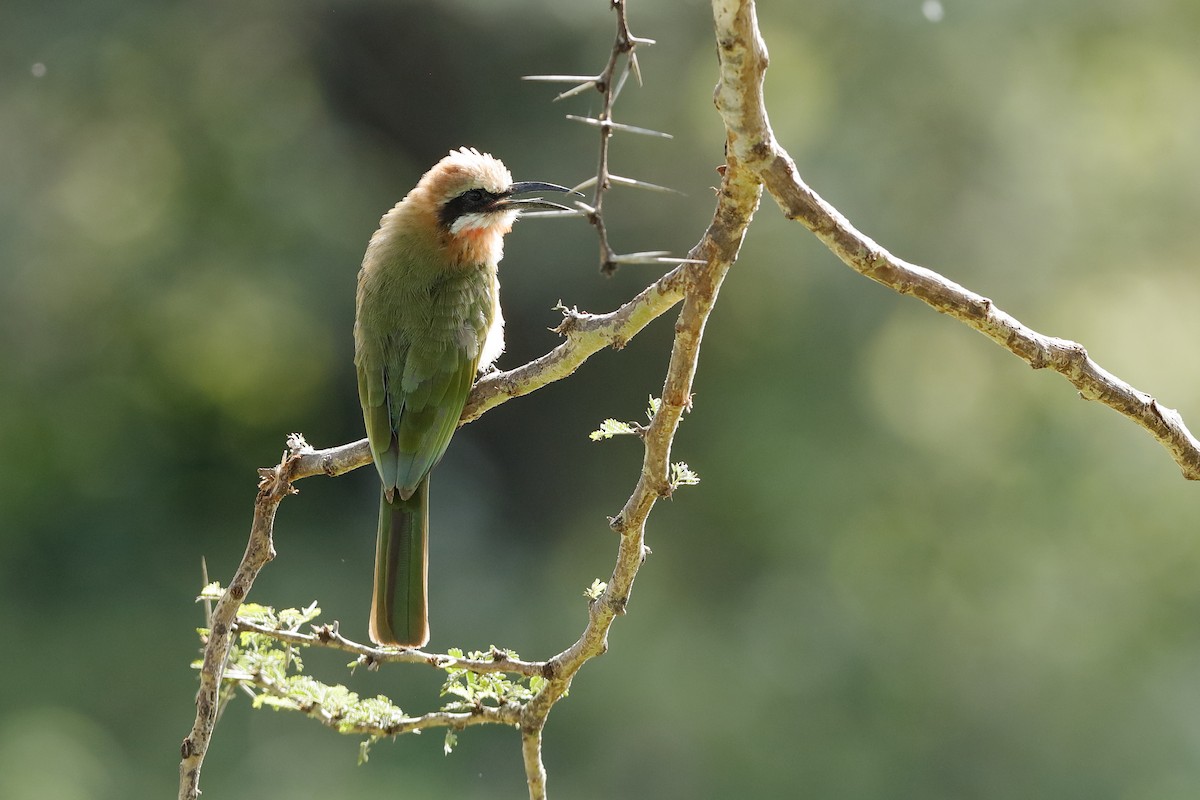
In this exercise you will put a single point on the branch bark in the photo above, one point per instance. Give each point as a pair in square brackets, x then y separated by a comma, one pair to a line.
[754, 159]
[275, 484]
[370, 657]
[737, 200]
[753, 143]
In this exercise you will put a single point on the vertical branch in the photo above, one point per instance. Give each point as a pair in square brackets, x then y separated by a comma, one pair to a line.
[274, 486]
[535, 770]
[737, 199]
[622, 61]
[607, 84]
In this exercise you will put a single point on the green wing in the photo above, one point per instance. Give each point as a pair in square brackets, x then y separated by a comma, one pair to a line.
[413, 384]
[410, 430]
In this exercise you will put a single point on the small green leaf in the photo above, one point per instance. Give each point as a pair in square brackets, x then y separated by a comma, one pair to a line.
[451, 741]
[610, 428]
[594, 591]
[682, 475]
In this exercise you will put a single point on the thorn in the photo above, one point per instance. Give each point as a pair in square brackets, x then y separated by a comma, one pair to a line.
[617, 126]
[653, 187]
[560, 78]
[581, 88]
[621, 82]
[544, 214]
[589, 183]
[653, 257]
[633, 65]
[587, 120]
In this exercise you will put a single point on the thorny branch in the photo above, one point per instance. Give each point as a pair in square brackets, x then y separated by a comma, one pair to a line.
[753, 144]
[507, 714]
[609, 84]
[275, 484]
[622, 62]
[753, 159]
[696, 282]
[585, 334]
[370, 657]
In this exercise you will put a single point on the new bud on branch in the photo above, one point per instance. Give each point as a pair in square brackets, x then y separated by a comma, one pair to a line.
[427, 320]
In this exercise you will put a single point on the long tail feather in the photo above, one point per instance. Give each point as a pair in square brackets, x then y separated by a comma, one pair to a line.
[399, 605]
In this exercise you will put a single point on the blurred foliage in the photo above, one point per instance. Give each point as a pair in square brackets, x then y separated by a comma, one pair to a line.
[914, 568]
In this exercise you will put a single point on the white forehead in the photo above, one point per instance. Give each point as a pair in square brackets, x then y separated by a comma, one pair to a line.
[467, 168]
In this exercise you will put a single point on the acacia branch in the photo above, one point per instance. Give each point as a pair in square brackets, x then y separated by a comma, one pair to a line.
[507, 714]
[371, 657]
[753, 143]
[737, 200]
[608, 83]
[531, 754]
[585, 334]
[753, 159]
[274, 485]
[622, 62]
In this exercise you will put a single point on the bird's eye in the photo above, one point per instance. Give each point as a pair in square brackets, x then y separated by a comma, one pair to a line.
[473, 196]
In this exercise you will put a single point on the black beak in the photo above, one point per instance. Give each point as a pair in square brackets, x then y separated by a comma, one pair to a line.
[523, 187]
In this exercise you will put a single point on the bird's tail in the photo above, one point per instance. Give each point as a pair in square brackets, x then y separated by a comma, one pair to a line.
[399, 605]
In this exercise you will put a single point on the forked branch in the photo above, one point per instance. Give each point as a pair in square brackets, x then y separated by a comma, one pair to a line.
[753, 159]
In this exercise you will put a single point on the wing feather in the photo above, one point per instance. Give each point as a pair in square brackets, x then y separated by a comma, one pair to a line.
[414, 382]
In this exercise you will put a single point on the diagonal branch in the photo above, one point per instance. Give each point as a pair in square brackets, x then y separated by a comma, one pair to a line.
[753, 144]
[585, 334]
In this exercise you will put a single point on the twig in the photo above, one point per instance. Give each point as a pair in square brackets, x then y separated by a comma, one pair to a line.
[370, 657]
[275, 484]
[622, 61]
[585, 335]
[507, 714]
[753, 145]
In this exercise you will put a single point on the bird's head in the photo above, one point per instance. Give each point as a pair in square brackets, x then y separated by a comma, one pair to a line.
[474, 194]
[463, 206]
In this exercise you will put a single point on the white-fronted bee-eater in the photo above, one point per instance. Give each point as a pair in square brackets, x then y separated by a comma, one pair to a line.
[427, 321]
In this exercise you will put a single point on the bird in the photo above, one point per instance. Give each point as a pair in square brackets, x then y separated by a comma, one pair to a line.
[427, 321]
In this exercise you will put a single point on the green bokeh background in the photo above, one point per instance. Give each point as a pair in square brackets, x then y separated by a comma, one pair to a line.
[913, 568]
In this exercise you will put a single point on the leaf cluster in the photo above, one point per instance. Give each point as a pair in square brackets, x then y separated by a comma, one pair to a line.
[270, 671]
